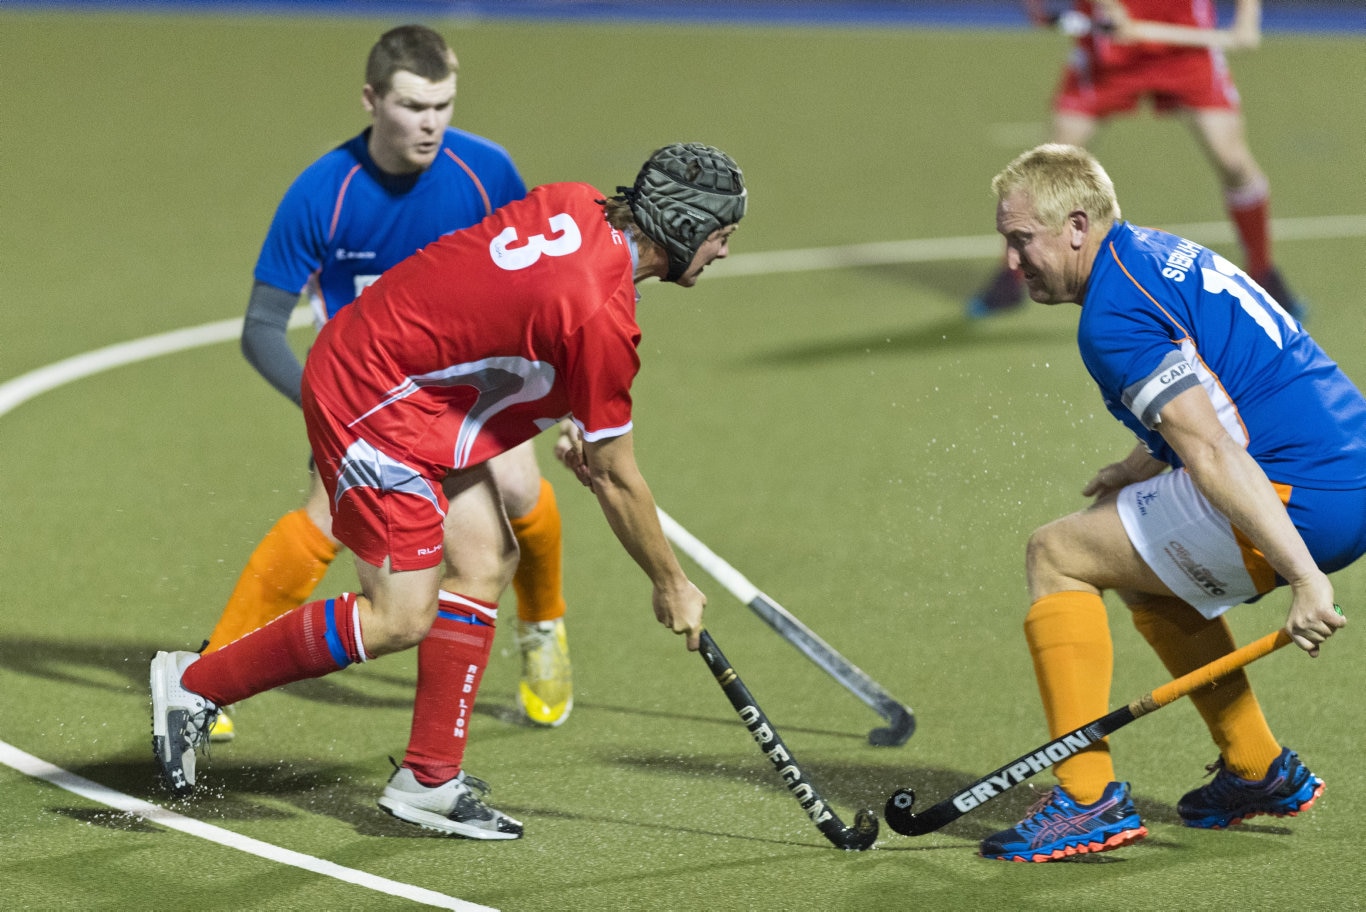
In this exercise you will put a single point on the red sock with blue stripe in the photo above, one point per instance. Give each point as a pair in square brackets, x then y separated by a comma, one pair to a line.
[450, 664]
[311, 641]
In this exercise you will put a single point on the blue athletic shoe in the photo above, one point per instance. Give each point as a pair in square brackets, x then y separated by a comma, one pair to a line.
[1058, 827]
[1287, 789]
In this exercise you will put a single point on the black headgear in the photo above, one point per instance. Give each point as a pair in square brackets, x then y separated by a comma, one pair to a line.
[683, 193]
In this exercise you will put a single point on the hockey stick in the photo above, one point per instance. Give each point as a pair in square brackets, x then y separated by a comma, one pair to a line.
[900, 717]
[898, 810]
[856, 838]
[1070, 22]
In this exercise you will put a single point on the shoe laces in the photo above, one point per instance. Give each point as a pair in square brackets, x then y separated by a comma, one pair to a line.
[536, 634]
[196, 728]
[540, 652]
[1212, 769]
[1039, 812]
[1228, 786]
[475, 784]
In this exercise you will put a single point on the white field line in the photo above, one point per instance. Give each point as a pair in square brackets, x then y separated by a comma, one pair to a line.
[886, 253]
[21, 389]
[30, 765]
[14, 393]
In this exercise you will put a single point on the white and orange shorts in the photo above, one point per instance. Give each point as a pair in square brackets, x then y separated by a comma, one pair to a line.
[1205, 561]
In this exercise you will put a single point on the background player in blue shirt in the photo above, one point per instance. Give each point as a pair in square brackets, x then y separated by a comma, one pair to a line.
[1250, 473]
[405, 181]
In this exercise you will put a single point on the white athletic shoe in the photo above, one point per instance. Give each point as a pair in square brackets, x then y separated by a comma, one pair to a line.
[455, 807]
[546, 691]
[180, 721]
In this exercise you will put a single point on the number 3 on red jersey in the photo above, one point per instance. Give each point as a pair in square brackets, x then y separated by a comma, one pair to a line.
[565, 241]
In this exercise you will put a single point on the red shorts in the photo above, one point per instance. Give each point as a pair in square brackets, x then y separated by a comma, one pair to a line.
[381, 507]
[1177, 78]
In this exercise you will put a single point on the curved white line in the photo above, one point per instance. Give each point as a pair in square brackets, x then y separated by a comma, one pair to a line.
[21, 389]
[14, 393]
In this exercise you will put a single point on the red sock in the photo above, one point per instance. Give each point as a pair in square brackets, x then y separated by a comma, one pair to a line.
[308, 642]
[450, 664]
[1251, 213]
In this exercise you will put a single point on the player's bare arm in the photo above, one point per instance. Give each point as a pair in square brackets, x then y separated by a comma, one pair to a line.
[569, 451]
[1244, 33]
[629, 506]
[1238, 488]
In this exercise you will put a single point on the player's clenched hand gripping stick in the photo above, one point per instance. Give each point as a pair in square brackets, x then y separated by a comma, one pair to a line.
[856, 838]
[898, 811]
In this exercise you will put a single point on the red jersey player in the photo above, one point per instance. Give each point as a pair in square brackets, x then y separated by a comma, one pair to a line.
[473, 345]
[1170, 52]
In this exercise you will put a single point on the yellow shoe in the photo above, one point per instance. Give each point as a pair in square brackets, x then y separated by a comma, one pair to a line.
[546, 691]
[222, 728]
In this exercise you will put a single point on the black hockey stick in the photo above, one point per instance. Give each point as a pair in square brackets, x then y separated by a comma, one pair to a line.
[898, 810]
[856, 838]
[899, 716]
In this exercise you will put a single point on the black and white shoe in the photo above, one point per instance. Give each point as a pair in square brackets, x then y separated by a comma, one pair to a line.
[455, 807]
[180, 721]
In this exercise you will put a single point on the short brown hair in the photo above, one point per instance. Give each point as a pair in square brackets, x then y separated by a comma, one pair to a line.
[414, 48]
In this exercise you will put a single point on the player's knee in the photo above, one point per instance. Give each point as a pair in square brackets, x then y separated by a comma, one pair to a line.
[507, 559]
[520, 493]
[518, 477]
[1045, 551]
[482, 573]
[1242, 177]
[393, 625]
[411, 627]
[318, 509]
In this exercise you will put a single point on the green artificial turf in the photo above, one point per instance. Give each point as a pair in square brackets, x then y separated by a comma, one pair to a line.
[843, 437]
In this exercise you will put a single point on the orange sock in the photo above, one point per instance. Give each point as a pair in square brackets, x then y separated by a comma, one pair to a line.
[1069, 640]
[1184, 640]
[280, 574]
[539, 580]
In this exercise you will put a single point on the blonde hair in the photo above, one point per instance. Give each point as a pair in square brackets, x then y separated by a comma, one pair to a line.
[1059, 179]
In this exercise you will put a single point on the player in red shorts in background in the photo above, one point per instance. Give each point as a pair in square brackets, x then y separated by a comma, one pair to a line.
[465, 350]
[1170, 53]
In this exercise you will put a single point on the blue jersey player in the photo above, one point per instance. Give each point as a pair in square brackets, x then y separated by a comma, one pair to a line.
[408, 179]
[346, 219]
[1249, 474]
